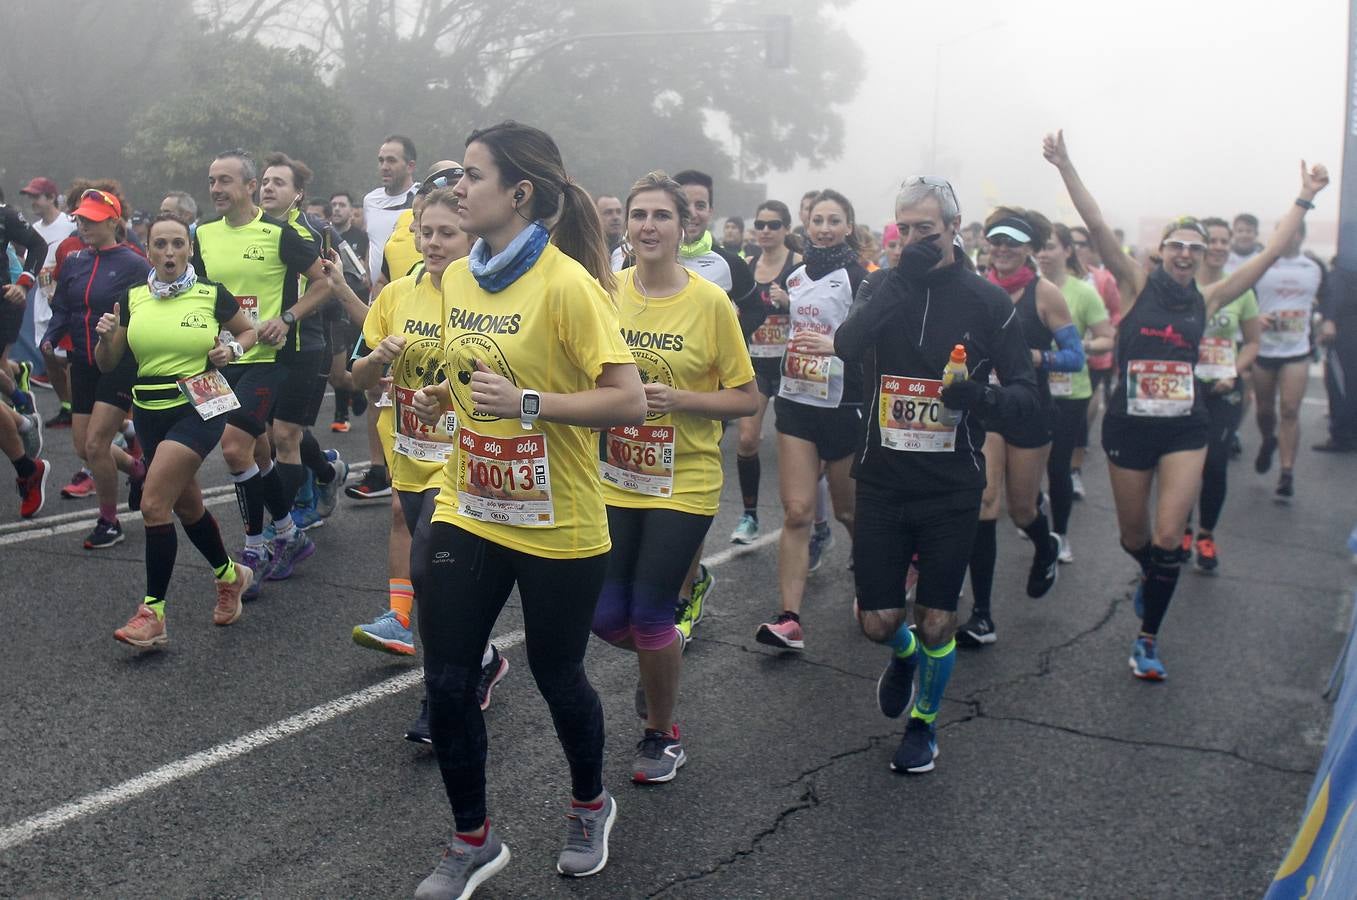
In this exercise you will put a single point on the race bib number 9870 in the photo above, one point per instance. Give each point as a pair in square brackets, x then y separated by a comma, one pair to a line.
[910, 416]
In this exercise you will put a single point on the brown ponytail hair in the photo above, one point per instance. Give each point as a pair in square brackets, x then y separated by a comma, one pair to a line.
[525, 153]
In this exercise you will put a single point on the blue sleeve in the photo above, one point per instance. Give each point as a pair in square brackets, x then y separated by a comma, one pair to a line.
[1070, 356]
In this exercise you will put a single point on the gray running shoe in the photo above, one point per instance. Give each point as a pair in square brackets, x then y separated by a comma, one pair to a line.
[327, 495]
[658, 757]
[32, 438]
[463, 868]
[287, 552]
[586, 839]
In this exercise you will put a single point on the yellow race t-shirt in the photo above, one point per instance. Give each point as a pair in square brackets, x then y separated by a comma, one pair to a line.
[690, 341]
[552, 330]
[410, 307]
[400, 256]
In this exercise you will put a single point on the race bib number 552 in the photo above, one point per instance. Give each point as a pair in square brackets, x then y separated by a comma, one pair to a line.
[504, 479]
[910, 416]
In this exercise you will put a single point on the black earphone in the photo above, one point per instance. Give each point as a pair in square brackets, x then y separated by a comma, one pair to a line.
[518, 194]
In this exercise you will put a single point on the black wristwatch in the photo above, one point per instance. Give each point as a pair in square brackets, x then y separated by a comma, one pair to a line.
[288, 318]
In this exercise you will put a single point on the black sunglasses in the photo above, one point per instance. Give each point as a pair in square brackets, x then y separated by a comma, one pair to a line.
[767, 224]
[1003, 240]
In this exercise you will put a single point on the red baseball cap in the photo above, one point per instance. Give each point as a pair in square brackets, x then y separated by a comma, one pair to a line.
[44, 186]
[97, 206]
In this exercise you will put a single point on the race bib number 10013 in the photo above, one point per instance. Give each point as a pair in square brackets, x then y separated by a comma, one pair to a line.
[504, 479]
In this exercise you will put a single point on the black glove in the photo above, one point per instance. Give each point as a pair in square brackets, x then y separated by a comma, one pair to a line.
[917, 259]
[968, 395]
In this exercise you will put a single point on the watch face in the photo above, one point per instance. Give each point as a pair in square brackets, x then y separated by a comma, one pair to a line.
[531, 404]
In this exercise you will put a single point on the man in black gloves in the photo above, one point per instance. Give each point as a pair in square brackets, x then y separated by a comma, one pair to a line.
[921, 472]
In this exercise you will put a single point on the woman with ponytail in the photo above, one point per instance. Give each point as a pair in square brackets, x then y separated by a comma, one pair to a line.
[532, 361]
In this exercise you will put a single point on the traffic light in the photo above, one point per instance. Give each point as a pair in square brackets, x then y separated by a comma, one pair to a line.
[777, 47]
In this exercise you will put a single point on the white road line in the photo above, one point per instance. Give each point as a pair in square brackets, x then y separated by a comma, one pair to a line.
[65, 523]
[92, 804]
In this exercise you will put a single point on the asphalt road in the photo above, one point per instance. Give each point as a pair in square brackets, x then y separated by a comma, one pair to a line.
[1059, 774]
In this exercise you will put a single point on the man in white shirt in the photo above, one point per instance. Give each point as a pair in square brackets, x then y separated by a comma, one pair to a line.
[383, 205]
[54, 226]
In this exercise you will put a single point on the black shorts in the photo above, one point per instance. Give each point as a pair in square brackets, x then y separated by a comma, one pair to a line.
[303, 388]
[1137, 443]
[1032, 432]
[256, 385]
[767, 375]
[1101, 380]
[180, 424]
[90, 386]
[1275, 363]
[11, 321]
[836, 432]
[888, 530]
[1070, 423]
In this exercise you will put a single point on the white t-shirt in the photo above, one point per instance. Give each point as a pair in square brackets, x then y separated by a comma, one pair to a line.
[1287, 292]
[819, 306]
[62, 227]
[711, 266]
[1236, 259]
[380, 212]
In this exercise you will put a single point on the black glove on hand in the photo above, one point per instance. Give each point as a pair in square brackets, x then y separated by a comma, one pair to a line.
[968, 395]
[920, 257]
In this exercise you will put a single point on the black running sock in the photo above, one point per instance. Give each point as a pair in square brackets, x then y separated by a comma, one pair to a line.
[292, 475]
[275, 496]
[206, 536]
[1140, 555]
[359, 403]
[23, 467]
[1160, 580]
[984, 552]
[314, 459]
[1039, 530]
[342, 396]
[250, 499]
[162, 545]
[750, 471]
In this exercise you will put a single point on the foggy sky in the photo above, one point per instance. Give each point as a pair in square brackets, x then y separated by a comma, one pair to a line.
[1170, 107]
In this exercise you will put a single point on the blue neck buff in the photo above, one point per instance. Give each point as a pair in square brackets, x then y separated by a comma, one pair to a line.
[496, 273]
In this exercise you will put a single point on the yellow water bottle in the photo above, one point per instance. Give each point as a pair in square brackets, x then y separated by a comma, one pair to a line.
[955, 370]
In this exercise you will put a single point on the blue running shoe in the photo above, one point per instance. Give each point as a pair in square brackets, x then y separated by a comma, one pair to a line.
[256, 560]
[1145, 663]
[287, 552]
[895, 687]
[327, 495]
[821, 539]
[23, 402]
[918, 748]
[387, 634]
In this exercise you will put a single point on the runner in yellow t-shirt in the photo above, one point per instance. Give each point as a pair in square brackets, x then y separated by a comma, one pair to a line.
[662, 480]
[521, 502]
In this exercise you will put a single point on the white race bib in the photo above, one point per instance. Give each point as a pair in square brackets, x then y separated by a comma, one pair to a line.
[770, 338]
[806, 374]
[504, 479]
[1216, 359]
[910, 416]
[1159, 388]
[1060, 383]
[640, 458]
[427, 443]
[209, 393]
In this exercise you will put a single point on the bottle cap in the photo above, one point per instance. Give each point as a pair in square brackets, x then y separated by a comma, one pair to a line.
[959, 353]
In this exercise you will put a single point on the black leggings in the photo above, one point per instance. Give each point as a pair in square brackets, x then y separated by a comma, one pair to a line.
[417, 510]
[1223, 412]
[1069, 423]
[470, 580]
[652, 549]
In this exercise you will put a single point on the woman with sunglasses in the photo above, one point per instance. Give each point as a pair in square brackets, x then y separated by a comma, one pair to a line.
[768, 323]
[1228, 349]
[169, 327]
[1101, 371]
[1070, 391]
[1156, 426]
[1016, 452]
[818, 403]
[90, 282]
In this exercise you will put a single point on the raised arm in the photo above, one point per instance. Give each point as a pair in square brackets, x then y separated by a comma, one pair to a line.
[1130, 276]
[1312, 181]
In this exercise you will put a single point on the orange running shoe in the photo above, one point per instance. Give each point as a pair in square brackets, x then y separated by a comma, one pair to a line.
[340, 427]
[1206, 555]
[145, 629]
[228, 606]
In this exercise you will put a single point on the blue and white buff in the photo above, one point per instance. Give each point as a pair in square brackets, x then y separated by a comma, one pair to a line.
[496, 273]
[165, 289]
